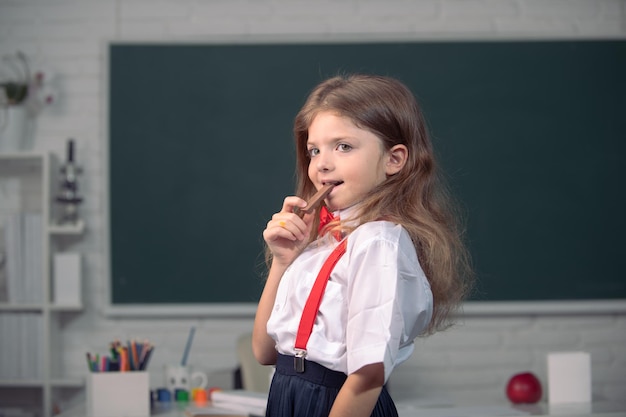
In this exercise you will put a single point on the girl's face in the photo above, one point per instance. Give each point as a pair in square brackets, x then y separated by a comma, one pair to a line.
[342, 153]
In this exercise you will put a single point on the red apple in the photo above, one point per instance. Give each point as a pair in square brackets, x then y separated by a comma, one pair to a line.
[524, 388]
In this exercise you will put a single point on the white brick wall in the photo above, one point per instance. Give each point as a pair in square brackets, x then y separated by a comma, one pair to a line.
[473, 360]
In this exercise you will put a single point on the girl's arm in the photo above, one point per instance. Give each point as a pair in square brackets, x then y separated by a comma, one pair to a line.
[286, 235]
[262, 343]
[360, 392]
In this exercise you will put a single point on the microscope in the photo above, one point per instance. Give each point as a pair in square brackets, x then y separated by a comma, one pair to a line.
[68, 196]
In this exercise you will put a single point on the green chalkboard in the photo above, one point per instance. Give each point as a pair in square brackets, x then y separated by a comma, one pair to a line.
[529, 133]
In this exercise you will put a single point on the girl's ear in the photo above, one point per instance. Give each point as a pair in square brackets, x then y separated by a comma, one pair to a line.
[396, 159]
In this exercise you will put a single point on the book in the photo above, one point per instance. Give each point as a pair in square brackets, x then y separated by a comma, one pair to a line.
[240, 396]
[236, 402]
[212, 412]
[66, 279]
[23, 241]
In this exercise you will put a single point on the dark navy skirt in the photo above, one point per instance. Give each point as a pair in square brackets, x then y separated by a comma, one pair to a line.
[312, 392]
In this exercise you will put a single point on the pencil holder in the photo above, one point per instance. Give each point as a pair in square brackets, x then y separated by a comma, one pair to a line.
[118, 394]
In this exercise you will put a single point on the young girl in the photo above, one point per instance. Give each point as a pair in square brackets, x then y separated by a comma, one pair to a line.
[392, 259]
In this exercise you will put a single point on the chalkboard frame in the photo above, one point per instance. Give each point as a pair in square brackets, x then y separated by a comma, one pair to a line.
[237, 309]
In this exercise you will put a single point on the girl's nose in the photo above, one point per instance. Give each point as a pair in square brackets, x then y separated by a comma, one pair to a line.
[324, 161]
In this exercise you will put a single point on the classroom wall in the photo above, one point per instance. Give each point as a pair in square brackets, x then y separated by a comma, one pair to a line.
[472, 360]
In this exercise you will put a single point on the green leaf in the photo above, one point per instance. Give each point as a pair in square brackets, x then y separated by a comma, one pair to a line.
[16, 92]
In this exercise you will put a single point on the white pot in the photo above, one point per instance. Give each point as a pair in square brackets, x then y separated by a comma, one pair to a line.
[13, 121]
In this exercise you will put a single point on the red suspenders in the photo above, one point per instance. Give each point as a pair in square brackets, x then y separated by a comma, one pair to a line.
[313, 304]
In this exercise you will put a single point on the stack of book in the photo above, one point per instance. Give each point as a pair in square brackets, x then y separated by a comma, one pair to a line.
[21, 345]
[23, 242]
[233, 402]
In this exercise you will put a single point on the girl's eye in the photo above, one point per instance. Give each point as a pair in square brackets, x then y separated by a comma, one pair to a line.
[313, 151]
[344, 147]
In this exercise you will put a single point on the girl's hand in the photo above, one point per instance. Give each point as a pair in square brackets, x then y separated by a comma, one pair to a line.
[287, 234]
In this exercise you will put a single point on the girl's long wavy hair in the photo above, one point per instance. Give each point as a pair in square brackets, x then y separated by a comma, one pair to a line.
[416, 197]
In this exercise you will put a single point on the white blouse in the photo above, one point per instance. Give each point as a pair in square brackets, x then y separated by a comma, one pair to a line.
[376, 302]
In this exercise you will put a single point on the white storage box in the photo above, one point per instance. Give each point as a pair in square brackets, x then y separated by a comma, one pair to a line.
[118, 394]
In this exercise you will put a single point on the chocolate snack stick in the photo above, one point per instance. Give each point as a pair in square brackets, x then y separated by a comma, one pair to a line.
[320, 195]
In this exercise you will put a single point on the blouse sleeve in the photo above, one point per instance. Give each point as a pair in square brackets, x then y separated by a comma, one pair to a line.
[389, 298]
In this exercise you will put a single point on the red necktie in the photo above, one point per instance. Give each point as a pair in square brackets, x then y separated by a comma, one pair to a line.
[325, 218]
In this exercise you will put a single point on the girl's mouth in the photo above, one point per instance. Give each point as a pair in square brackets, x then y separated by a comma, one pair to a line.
[317, 198]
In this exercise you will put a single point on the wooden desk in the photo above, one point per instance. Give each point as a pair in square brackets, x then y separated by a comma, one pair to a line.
[160, 410]
[408, 409]
[542, 409]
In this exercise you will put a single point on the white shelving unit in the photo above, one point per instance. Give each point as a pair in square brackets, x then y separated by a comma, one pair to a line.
[28, 182]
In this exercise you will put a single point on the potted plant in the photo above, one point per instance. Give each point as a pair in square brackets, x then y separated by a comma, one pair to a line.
[23, 93]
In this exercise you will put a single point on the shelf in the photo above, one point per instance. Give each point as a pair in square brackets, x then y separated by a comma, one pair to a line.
[21, 155]
[35, 175]
[20, 163]
[17, 307]
[5, 306]
[68, 228]
[75, 382]
[66, 308]
[22, 383]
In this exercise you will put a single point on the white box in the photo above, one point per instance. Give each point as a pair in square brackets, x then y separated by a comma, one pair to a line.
[67, 279]
[569, 377]
[118, 394]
